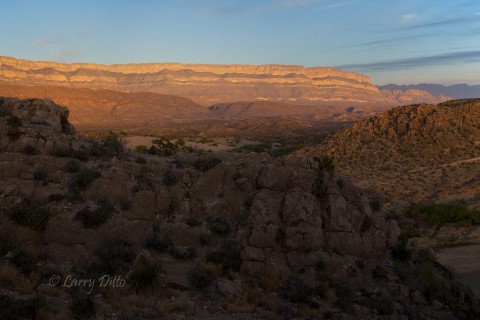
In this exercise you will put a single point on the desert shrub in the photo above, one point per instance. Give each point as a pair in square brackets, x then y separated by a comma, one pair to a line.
[140, 160]
[40, 175]
[146, 274]
[23, 262]
[193, 221]
[182, 253]
[30, 150]
[163, 147]
[199, 278]
[205, 164]
[375, 205]
[62, 152]
[325, 163]
[401, 251]
[280, 152]
[384, 305]
[82, 307]
[72, 166]
[367, 224]
[257, 148]
[29, 214]
[320, 265]
[170, 178]
[159, 242]
[5, 247]
[114, 256]
[437, 214]
[296, 291]
[344, 295]
[12, 279]
[115, 143]
[13, 308]
[141, 148]
[228, 255]
[125, 204]
[93, 219]
[219, 226]
[204, 239]
[14, 122]
[84, 177]
[56, 197]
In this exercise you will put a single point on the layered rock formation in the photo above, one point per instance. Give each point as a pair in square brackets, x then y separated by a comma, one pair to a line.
[205, 84]
[213, 235]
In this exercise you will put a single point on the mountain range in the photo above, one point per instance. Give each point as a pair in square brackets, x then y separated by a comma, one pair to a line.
[211, 84]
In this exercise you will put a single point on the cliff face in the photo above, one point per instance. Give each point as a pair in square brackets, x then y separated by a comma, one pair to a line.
[203, 83]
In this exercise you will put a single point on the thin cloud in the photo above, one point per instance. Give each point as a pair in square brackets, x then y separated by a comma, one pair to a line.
[408, 18]
[48, 41]
[341, 4]
[460, 20]
[387, 41]
[446, 58]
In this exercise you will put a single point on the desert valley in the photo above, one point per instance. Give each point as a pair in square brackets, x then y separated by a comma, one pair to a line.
[234, 192]
[240, 160]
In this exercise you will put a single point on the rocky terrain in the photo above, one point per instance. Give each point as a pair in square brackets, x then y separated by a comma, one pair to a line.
[212, 84]
[197, 235]
[415, 153]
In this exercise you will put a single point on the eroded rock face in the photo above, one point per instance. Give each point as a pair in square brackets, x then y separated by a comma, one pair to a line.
[40, 125]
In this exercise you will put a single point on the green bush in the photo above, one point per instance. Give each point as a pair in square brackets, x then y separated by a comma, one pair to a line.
[82, 307]
[182, 253]
[325, 163]
[219, 226]
[93, 219]
[199, 279]
[205, 164]
[14, 122]
[228, 255]
[146, 274]
[30, 150]
[437, 214]
[84, 177]
[115, 256]
[30, 215]
[115, 143]
[159, 242]
[296, 291]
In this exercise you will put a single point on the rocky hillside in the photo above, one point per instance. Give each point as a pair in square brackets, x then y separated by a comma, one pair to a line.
[196, 235]
[416, 152]
[208, 84]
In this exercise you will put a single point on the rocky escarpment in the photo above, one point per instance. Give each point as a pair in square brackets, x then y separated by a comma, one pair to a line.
[435, 146]
[205, 84]
[213, 235]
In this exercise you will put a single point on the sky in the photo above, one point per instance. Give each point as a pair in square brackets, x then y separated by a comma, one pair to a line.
[393, 41]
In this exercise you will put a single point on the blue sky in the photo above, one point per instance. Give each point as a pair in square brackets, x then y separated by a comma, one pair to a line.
[393, 41]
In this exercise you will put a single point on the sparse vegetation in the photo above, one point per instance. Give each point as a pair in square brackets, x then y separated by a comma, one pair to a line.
[228, 255]
[93, 219]
[82, 307]
[84, 177]
[29, 214]
[159, 242]
[146, 275]
[219, 226]
[199, 278]
[437, 214]
[205, 164]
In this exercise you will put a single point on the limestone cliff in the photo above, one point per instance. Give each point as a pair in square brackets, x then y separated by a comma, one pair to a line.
[203, 83]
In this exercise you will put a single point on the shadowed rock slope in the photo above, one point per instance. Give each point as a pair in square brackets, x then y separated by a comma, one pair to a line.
[416, 152]
[197, 236]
